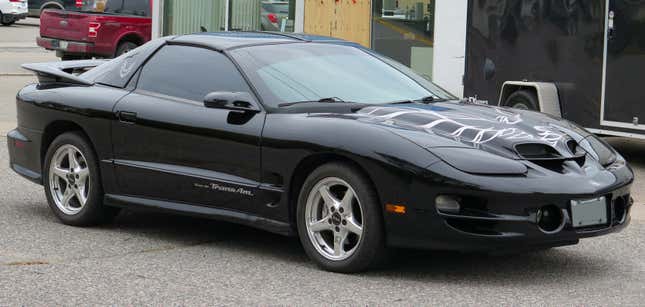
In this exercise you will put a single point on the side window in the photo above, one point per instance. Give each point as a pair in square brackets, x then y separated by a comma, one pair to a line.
[136, 7]
[190, 73]
[119, 71]
[113, 6]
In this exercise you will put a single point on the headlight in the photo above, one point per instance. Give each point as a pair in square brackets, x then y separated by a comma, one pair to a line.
[478, 162]
[599, 150]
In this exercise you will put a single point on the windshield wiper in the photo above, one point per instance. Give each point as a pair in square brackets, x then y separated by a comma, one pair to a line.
[426, 100]
[430, 99]
[323, 100]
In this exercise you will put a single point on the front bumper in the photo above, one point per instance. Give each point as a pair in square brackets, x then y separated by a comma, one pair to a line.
[516, 230]
[499, 213]
[66, 46]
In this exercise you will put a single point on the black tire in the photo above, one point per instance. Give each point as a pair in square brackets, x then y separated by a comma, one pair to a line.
[371, 250]
[5, 23]
[125, 47]
[522, 100]
[94, 212]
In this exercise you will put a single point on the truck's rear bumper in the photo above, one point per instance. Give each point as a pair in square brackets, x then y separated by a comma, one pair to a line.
[66, 46]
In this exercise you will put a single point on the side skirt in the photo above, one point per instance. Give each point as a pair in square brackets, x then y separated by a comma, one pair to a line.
[200, 211]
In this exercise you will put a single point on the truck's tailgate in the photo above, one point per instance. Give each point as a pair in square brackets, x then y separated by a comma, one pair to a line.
[64, 25]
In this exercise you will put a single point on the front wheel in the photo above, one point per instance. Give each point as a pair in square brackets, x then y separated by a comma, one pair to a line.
[339, 219]
[72, 182]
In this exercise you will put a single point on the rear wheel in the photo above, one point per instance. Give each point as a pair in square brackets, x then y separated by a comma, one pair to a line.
[125, 47]
[522, 99]
[72, 182]
[339, 219]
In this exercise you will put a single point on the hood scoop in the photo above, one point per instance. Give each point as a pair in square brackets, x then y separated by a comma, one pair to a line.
[548, 157]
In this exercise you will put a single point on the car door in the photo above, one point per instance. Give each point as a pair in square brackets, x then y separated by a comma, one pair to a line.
[169, 146]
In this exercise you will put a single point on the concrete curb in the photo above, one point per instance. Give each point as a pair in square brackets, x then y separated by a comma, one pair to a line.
[17, 74]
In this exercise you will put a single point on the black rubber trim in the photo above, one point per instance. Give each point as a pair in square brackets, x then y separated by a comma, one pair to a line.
[201, 211]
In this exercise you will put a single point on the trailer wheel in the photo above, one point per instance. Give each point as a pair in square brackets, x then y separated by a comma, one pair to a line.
[524, 100]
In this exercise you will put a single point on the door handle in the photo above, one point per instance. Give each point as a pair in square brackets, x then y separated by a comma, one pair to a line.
[127, 117]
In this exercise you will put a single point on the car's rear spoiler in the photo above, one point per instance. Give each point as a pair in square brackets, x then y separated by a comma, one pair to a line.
[63, 71]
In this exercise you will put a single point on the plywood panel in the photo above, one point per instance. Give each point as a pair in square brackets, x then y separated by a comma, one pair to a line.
[319, 16]
[346, 19]
[353, 21]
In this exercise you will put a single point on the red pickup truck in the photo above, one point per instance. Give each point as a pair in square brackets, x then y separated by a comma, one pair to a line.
[108, 28]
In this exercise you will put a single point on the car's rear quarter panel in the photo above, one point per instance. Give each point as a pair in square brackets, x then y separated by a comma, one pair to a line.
[40, 108]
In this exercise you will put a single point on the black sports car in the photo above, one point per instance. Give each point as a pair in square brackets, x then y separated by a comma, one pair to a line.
[314, 137]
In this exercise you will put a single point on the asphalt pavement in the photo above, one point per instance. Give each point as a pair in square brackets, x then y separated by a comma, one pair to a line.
[146, 258]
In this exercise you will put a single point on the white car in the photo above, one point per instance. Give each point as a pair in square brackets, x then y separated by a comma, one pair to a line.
[12, 11]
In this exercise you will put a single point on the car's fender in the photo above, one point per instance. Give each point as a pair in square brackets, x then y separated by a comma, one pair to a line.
[390, 161]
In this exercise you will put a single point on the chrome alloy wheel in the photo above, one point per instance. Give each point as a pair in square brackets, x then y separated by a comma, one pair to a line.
[334, 218]
[69, 179]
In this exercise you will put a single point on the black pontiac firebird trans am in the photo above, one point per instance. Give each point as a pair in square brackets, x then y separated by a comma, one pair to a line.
[315, 137]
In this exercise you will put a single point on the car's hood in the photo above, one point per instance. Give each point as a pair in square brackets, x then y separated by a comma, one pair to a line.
[492, 129]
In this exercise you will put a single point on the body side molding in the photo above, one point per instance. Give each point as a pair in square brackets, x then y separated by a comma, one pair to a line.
[201, 211]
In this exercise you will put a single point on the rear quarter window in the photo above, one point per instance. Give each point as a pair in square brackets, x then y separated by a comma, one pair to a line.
[119, 71]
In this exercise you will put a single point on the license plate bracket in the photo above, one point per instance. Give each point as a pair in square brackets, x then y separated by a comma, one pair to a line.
[589, 212]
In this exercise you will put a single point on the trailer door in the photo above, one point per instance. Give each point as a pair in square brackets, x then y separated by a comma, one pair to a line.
[623, 104]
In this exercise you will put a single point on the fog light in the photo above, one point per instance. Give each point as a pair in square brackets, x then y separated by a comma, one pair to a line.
[550, 219]
[447, 204]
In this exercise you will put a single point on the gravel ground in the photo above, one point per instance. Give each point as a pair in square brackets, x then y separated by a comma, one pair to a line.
[156, 259]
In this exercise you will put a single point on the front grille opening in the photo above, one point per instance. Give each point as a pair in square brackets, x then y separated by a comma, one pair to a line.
[532, 151]
[473, 206]
[475, 227]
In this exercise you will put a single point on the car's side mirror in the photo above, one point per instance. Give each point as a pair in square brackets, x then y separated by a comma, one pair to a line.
[234, 101]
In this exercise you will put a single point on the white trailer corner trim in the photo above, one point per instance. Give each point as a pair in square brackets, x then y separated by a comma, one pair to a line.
[547, 95]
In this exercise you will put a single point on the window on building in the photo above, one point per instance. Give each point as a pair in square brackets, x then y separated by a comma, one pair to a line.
[190, 73]
[257, 15]
[183, 17]
[404, 30]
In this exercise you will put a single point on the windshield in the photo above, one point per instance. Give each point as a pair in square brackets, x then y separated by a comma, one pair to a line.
[309, 72]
